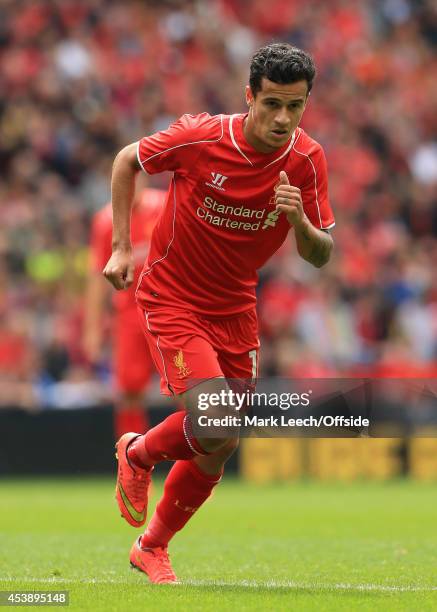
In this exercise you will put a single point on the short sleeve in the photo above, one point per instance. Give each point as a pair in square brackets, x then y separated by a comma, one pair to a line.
[101, 240]
[177, 148]
[315, 191]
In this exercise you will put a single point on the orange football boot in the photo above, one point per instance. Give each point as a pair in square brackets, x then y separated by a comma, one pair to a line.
[154, 562]
[133, 483]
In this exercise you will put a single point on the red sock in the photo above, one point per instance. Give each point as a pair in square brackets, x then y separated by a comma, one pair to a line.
[172, 439]
[186, 488]
[133, 418]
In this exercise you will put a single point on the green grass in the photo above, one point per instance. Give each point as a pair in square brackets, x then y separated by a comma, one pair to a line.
[305, 546]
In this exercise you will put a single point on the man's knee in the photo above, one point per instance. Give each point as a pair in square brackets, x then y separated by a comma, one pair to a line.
[231, 445]
[211, 445]
[224, 446]
[219, 436]
[228, 449]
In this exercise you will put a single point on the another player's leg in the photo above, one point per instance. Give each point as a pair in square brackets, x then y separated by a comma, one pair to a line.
[132, 369]
[130, 413]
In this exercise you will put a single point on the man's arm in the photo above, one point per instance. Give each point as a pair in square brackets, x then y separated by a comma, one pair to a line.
[313, 245]
[119, 270]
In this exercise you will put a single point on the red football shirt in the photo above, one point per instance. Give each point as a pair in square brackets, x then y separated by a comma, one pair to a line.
[219, 225]
[144, 217]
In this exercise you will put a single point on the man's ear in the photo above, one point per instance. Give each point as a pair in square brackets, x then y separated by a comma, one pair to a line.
[249, 95]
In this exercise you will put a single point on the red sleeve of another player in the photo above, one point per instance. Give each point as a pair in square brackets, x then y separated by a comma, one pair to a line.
[177, 148]
[101, 239]
[315, 192]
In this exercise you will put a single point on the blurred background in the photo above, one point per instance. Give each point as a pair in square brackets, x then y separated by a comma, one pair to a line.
[80, 79]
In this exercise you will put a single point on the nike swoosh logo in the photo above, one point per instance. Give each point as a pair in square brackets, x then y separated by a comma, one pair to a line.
[137, 516]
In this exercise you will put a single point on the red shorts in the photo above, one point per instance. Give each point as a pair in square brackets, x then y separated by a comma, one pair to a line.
[187, 348]
[133, 364]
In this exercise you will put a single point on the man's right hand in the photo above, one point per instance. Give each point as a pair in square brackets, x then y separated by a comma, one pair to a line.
[119, 270]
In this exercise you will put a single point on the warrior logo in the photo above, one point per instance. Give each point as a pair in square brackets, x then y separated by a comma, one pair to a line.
[179, 362]
[218, 179]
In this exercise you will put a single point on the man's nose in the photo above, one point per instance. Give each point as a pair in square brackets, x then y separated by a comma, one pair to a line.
[281, 117]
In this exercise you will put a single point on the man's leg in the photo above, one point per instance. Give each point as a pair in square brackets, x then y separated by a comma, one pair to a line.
[184, 355]
[172, 439]
[188, 485]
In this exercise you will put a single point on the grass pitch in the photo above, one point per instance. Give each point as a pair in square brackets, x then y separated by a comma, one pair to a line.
[304, 546]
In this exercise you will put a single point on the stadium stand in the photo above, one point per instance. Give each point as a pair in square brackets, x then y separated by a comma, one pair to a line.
[81, 78]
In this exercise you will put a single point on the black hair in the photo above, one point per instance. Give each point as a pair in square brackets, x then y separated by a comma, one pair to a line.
[281, 63]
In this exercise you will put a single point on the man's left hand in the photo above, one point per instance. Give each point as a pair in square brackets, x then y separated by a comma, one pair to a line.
[288, 199]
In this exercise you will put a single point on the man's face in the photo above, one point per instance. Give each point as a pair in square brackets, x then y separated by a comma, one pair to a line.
[274, 113]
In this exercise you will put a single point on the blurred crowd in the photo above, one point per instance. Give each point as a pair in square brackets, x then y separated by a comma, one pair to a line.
[79, 79]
